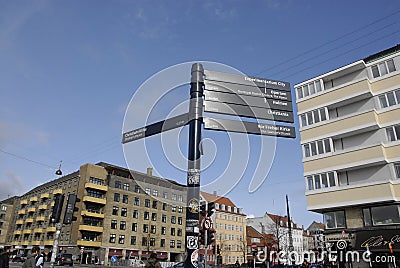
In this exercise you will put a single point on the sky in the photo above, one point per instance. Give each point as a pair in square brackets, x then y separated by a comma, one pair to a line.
[71, 70]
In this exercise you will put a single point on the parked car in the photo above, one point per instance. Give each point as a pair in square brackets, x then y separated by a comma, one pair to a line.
[19, 258]
[64, 259]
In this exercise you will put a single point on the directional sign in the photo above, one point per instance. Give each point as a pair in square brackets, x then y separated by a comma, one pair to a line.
[249, 127]
[247, 111]
[248, 90]
[246, 80]
[248, 100]
[113, 259]
[207, 223]
[156, 128]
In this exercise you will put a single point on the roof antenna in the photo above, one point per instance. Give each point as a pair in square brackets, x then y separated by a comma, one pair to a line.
[59, 172]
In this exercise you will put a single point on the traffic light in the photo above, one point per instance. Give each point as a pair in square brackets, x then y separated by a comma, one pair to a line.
[56, 212]
[202, 235]
[210, 209]
[70, 209]
[203, 210]
[210, 236]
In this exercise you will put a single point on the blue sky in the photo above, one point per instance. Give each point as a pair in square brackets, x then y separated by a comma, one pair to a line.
[68, 70]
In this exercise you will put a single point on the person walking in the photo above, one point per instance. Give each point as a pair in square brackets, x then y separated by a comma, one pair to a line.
[31, 261]
[153, 262]
[5, 257]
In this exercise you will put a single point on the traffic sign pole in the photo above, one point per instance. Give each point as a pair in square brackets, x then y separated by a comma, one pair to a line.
[193, 173]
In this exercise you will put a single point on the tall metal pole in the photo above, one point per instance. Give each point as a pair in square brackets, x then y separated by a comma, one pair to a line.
[193, 173]
[290, 228]
[55, 245]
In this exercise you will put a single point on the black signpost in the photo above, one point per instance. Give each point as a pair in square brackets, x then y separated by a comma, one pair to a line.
[224, 93]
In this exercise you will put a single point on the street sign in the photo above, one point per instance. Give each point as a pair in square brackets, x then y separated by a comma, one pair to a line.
[247, 111]
[248, 90]
[246, 80]
[248, 100]
[155, 128]
[113, 259]
[249, 127]
[207, 223]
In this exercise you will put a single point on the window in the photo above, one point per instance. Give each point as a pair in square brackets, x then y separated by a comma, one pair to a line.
[125, 199]
[385, 215]
[173, 196]
[397, 170]
[134, 226]
[115, 210]
[118, 185]
[126, 186]
[145, 228]
[313, 117]
[155, 192]
[162, 243]
[137, 189]
[153, 229]
[173, 231]
[121, 239]
[144, 241]
[335, 219]
[393, 133]
[317, 147]
[113, 224]
[3, 208]
[122, 225]
[116, 197]
[309, 89]
[180, 198]
[180, 209]
[152, 241]
[146, 215]
[147, 203]
[180, 220]
[153, 216]
[136, 201]
[367, 217]
[173, 208]
[173, 219]
[154, 204]
[96, 181]
[163, 230]
[124, 212]
[164, 218]
[165, 195]
[164, 206]
[383, 68]
[112, 238]
[179, 232]
[389, 98]
[172, 243]
[135, 214]
[147, 191]
[133, 240]
[179, 244]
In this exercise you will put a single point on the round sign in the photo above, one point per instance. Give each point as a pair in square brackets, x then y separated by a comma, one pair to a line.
[254, 246]
[113, 258]
[193, 205]
[207, 223]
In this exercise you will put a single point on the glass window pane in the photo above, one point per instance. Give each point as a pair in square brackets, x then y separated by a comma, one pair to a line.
[310, 118]
[310, 183]
[312, 89]
[318, 86]
[382, 68]
[340, 219]
[391, 66]
[397, 132]
[299, 93]
[316, 116]
[391, 99]
[397, 170]
[313, 148]
[307, 150]
[329, 220]
[305, 91]
[375, 71]
[317, 182]
[303, 120]
[385, 215]
[327, 146]
[383, 101]
[324, 180]
[323, 114]
[397, 93]
[367, 217]
[331, 177]
[390, 134]
[320, 147]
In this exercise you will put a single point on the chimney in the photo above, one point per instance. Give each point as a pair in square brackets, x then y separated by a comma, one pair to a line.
[149, 171]
[215, 193]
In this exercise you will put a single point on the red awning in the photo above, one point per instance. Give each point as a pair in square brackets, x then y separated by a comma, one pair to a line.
[133, 253]
[162, 255]
[115, 252]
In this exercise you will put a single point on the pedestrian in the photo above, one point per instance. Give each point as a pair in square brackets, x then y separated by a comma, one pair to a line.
[5, 257]
[237, 264]
[31, 261]
[41, 258]
[153, 262]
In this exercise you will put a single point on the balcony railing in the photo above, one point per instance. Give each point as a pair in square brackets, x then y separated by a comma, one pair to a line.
[94, 200]
[95, 186]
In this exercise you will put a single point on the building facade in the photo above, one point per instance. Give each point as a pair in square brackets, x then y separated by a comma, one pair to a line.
[6, 214]
[350, 133]
[121, 213]
[230, 226]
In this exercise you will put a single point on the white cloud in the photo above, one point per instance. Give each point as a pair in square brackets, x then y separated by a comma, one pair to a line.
[11, 184]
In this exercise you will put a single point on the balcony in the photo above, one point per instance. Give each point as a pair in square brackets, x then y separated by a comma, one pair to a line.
[352, 196]
[33, 199]
[99, 187]
[15, 243]
[392, 152]
[36, 243]
[52, 204]
[17, 232]
[349, 93]
[25, 243]
[45, 196]
[21, 212]
[347, 159]
[38, 230]
[19, 222]
[31, 210]
[29, 220]
[42, 207]
[58, 191]
[87, 213]
[86, 243]
[24, 202]
[27, 231]
[341, 127]
[40, 218]
[90, 228]
[388, 117]
[51, 229]
[94, 200]
[48, 242]
[382, 84]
